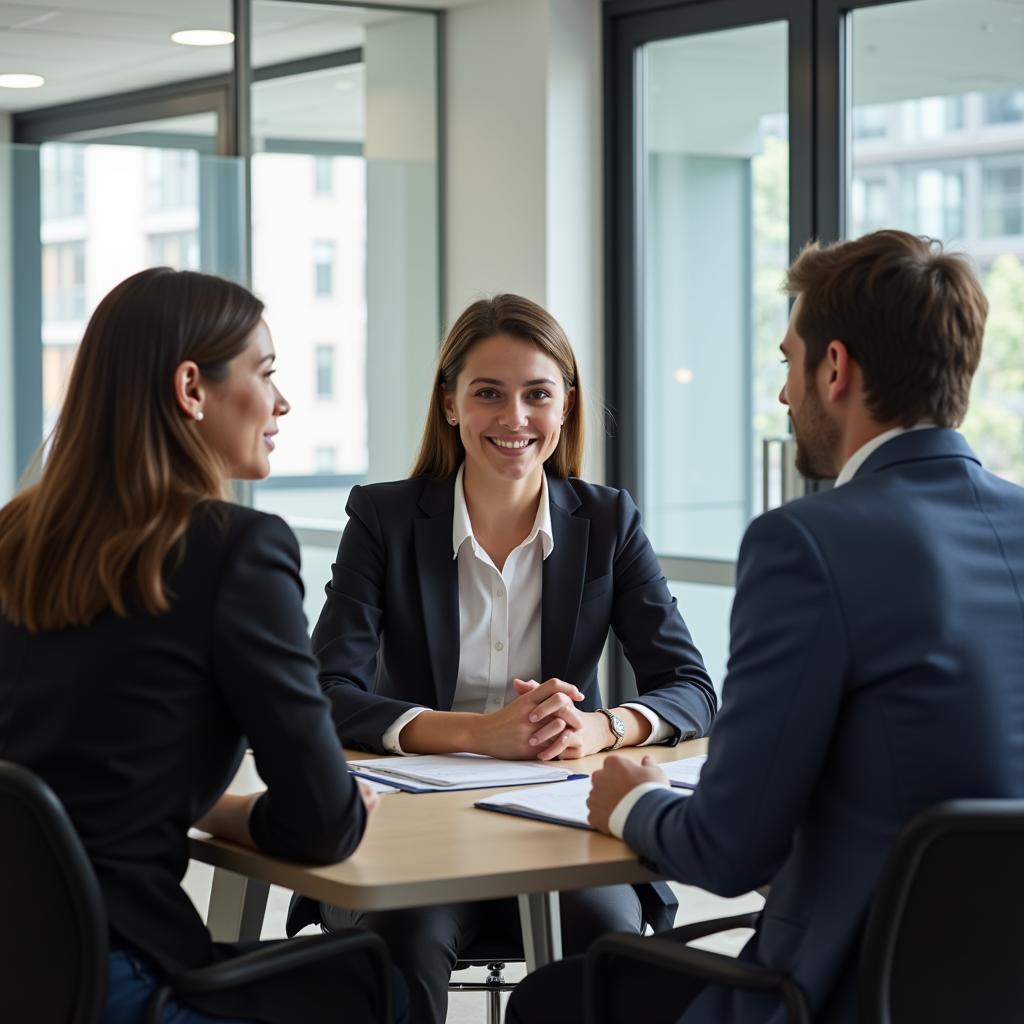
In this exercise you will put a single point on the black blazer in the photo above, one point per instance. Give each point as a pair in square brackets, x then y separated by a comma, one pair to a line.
[388, 635]
[139, 723]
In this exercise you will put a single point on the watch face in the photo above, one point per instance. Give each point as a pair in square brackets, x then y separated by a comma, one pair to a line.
[618, 726]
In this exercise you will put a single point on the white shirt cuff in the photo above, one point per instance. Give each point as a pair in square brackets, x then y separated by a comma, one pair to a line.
[661, 731]
[617, 822]
[390, 739]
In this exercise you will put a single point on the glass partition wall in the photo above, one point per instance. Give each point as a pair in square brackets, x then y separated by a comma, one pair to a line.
[327, 206]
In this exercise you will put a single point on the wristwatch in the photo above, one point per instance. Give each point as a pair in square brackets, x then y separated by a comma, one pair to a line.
[617, 726]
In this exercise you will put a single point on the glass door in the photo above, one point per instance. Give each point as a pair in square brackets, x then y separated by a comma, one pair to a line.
[706, 227]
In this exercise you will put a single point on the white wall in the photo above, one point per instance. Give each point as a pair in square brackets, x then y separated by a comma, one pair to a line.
[7, 468]
[524, 169]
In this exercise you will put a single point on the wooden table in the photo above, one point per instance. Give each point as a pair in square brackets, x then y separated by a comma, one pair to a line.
[429, 848]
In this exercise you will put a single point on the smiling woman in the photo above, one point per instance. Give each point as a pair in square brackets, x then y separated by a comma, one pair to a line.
[469, 606]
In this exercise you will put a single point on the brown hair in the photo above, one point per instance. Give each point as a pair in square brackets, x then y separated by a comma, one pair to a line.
[441, 449]
[911, 315]
[126, 465]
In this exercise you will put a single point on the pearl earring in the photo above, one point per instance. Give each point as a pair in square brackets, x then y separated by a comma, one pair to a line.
[452, 420]
[197, 415]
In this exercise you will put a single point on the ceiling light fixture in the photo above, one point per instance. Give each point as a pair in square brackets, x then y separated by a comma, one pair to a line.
[19, 81]
[203, 37]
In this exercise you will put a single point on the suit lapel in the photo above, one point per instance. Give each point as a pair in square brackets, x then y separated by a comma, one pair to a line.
[563, 574]
[439, 587]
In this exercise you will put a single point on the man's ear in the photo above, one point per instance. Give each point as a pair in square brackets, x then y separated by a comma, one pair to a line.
[841, 369]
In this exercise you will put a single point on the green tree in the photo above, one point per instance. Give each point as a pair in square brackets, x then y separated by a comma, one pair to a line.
[995, 421]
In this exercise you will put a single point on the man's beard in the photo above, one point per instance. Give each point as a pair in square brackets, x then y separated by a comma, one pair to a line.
[817, 439]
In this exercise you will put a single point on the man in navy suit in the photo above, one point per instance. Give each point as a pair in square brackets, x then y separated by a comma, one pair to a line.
[877, 643]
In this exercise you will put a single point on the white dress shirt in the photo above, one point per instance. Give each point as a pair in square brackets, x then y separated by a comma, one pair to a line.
[500, 621]
[617, 821]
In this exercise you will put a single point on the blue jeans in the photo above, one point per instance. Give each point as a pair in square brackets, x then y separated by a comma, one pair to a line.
[130, 984]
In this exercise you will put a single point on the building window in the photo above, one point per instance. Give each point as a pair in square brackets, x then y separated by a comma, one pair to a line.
[323, 176]
[1005, 107]
[177, 249]
[325, 371]
[933, 117]
[870, 122]
[64, 281]
[1002, 200]
[172, 179]
[323, 259]
[325, 458]
[869, 204]
[62, 172]
[933, 201]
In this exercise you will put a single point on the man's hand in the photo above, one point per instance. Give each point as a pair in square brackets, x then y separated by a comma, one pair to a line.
[613, 780]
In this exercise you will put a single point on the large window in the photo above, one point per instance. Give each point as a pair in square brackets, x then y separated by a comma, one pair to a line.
[738, 131]
[343, 242]
[971, 199]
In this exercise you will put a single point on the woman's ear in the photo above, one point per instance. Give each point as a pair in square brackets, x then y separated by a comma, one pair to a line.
[189, 392]
[569, 404]
[448, 406]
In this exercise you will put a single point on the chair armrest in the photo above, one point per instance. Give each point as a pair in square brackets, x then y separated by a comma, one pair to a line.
[675, 956]
[280, 958]
[700, 929]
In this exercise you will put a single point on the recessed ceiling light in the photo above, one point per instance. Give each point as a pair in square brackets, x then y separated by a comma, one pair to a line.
[21, 81]
[203, 37]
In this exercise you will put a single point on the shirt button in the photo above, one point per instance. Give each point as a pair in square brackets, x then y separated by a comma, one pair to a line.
[499, 646]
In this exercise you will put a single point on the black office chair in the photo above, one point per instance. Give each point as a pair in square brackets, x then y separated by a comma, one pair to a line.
[942, 942]
[54, 940]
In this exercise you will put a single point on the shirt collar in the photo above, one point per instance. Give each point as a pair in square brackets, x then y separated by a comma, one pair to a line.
[861, 455]
[462, 528]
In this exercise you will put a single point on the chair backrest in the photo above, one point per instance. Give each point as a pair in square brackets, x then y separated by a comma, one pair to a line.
[944, 940]
[53, 924]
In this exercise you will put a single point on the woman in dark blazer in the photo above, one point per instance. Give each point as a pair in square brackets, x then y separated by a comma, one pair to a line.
[469, 606]
[149, 631]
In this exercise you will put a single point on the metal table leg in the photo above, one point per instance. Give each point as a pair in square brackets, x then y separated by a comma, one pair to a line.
[237, 906]
[542, 928]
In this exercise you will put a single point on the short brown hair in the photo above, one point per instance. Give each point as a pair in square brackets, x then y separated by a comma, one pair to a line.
[126, 466]
[910, 314]
[441, 449]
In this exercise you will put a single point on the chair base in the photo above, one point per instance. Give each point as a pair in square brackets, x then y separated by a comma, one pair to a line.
[493, 986]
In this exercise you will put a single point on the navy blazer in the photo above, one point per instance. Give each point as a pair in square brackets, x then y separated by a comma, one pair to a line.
[875, 669]
[388, 635]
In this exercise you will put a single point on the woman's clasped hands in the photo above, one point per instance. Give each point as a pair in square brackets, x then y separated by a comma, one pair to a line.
[543, 722]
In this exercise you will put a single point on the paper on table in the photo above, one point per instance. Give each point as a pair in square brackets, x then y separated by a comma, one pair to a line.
[684, 773]
[564, 804]
[456, 771]
[381, 787]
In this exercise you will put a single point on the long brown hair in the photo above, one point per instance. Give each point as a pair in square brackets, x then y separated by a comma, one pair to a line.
[126, 466]
[441, 449]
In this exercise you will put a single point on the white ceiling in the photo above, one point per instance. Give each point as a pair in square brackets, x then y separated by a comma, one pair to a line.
[88, 48]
